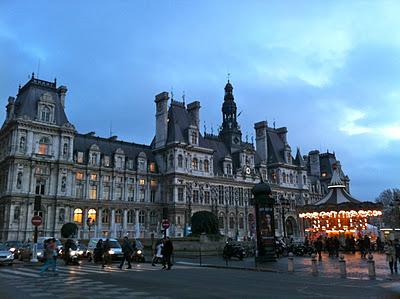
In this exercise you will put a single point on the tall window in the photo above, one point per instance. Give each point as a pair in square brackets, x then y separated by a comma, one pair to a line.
[291, 178]
[228, 169]
[78, 215]
[142, 194]
[241, 221]
[45, 114]
[63, 184]
[17, 212]
[171, 161]
[152, 167]
[231, 221]
[118, 193]
[194, 137]
[44, 146]
[221, 221]
[105, 217]
[119, 162]
[220, 195]
[22, 144]
[180, 161]
[106, 161]
[195, 196]
[207, 197]
[65, 149]
[153, 218]
[131, 194]
[93, 192]
[40, 187]
[106, 192]
[142, 217]
[80, 157]
[79, 190]
[61, 215]
[93, 160]
[118, 216]
[206, 166]
[152, 196]
[79, 175]
[195, 164]
[180, 194]
[131, 216]
[304, 180]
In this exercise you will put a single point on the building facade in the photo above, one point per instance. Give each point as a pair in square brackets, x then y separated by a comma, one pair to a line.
[128, 188]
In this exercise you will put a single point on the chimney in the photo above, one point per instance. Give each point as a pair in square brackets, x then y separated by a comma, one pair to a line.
[194, 113]
[62, 91]
[315, 167]
[10, 108]
[261, 139]
[282, 133]
[161, 119]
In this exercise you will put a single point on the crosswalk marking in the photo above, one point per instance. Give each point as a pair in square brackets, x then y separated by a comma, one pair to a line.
[18, 272]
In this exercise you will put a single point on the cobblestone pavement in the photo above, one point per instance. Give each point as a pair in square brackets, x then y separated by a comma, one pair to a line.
[357, 268]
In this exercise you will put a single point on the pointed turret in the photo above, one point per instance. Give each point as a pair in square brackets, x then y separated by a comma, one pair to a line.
[299, 161]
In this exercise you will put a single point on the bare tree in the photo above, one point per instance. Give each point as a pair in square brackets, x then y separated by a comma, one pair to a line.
[390, 199]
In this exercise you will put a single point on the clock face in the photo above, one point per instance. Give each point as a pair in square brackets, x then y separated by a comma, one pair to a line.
[248, 170]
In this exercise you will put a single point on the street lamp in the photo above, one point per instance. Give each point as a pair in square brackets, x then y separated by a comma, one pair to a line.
[90, 223]
[284, 204]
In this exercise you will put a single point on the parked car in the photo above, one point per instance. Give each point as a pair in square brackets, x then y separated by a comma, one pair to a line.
[6, 256]
[14, 247]
[115, 248]
[25, 252]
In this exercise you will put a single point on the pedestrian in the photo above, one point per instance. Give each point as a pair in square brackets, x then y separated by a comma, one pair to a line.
[55, 254]
[49, 255]
[390, 252]
[127, 250]
[397, 251]
[361, 246]
[167, 252]
[106, 253]
[336, 246]
[158, 253]
[379, 244]
[318, 247]
[367, 245]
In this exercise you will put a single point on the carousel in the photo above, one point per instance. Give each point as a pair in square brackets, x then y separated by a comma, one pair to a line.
[338, 213]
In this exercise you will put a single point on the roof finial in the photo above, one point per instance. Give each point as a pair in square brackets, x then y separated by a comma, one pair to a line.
[55, 81]
[172, 93]
[33, 75]
[212, 129]
[247, 137]
[205, 128]
[183, 97]
[274, 123]
[228, 76]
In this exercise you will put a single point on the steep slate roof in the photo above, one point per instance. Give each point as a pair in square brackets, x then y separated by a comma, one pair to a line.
[178, 123]
[108, 147]
[276, 147]
[28, 96]
[299, 161]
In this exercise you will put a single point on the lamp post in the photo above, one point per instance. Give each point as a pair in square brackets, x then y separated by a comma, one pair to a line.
[90, 223]
[284, 204]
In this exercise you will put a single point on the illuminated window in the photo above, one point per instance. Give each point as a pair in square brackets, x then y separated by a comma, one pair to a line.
[153, 184]
[141, 182]
[195, 164]
[93, 192]
[206, 166]
[79, 176]
[44, 145]
[78, 216]
[92, 214]
[152, 167]
[93, 177]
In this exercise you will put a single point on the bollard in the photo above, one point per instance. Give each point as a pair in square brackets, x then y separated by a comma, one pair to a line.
[342, 266]
[371, 267]
[290, 263]
[314, 265]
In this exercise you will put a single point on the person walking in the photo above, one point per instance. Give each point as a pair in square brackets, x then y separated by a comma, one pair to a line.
[336, 246]
[158, 253]
[318, 247]
[127, 250]
[49, 256]
[167, 252]
[98, 252]
[397, 252]
[390, 252]
[106, 253]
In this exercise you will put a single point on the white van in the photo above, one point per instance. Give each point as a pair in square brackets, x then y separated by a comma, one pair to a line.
[115, 248]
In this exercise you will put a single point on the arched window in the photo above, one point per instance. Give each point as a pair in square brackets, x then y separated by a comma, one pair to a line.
[46, 114]
[142, 217]
[231, 221]
[61, 215]
[291, 178]
[194, 137]
[22, 144]
[17, 212]
[44, 145]
[153, 218]
[118, 216]
[221, 221]
[195, 164]
[171, 161]
[94, 159]
[241, 221]
[131, 216]
[78, 216]
[105, 217]
[19, 180]
[180, 161]
[206, 166]
[228, 169]
[201, 165]
[284, 177]
[92, 214]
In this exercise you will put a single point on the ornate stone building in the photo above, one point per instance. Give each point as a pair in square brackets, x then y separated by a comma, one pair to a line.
[128, 188]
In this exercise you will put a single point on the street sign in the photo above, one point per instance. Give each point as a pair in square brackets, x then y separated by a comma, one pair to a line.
[165, 223]
[36, 220]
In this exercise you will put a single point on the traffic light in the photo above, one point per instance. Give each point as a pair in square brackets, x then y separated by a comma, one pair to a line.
[38, 203]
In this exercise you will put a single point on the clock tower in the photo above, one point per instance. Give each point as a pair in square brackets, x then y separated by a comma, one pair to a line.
[230, 131]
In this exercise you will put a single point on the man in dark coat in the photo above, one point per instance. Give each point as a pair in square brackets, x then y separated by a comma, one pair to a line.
[167, 252]
[106, 253]
[127, 249]
[318, 247]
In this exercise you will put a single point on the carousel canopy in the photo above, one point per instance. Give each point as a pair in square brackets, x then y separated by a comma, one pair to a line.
[338, 199]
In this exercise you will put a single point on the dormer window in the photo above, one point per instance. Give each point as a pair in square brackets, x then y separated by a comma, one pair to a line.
[106, 161]
[93, 159]
[79, 157]
[45, 114]
[194, 137]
